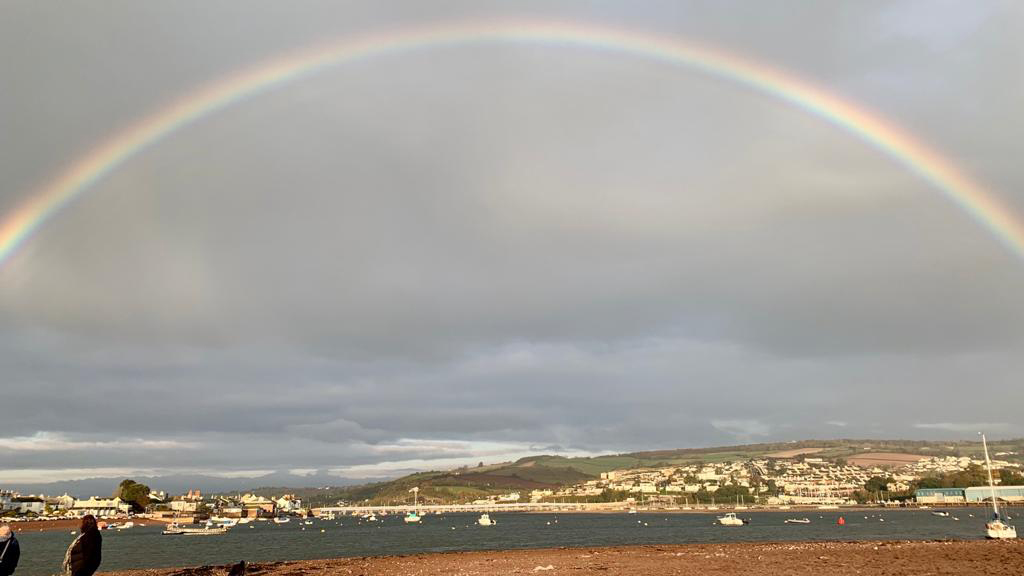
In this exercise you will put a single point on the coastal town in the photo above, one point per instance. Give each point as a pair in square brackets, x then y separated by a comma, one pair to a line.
[780, 482]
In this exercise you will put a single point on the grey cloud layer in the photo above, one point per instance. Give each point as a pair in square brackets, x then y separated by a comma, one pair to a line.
[520, 245]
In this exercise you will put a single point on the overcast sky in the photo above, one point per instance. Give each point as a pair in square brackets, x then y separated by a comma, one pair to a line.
[479, 252]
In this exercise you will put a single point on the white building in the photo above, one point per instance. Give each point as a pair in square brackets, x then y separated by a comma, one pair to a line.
[28, 504]
[288, 503]
[5, 499]
[101, 507]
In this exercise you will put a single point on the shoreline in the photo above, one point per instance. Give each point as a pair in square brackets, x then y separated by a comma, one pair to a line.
[790, 558]
[70, 524]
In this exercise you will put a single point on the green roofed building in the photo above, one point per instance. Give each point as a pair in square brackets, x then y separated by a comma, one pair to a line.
[940, 496]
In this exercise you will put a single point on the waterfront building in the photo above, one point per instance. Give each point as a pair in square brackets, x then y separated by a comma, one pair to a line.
[1003, 493]
[940, 495]
[256, 506]
[28, 505]
[100, 507]
[5, 499]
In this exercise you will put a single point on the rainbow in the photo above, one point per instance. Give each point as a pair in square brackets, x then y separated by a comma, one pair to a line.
[985, 208]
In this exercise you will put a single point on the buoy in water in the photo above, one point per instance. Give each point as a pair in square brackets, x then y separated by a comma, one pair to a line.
[841, 521]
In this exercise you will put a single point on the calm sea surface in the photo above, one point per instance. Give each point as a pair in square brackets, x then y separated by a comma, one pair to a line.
[42, 552]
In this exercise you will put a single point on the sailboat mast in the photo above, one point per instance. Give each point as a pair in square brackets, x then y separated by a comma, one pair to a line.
[988, 466]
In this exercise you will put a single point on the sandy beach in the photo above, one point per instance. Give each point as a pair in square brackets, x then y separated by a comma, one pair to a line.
[789, 559]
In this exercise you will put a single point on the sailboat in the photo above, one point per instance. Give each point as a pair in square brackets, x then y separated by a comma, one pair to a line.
[413, 517]
[996, 528]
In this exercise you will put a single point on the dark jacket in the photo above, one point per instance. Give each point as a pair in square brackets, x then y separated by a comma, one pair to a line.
[11, 552]
[85, 554]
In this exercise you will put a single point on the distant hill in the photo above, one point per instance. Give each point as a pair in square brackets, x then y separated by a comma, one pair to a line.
[546, 471]
[533, 472]
[181, 483]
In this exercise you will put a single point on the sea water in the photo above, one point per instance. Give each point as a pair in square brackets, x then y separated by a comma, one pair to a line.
[145, 547]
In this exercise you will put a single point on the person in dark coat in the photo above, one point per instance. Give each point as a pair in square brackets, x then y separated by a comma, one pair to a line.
[83, 556]
[10, 551]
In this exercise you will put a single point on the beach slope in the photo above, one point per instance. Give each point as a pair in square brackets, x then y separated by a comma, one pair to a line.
[786, 559]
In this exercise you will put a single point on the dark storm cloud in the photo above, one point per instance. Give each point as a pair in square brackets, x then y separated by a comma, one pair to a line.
[469, 253]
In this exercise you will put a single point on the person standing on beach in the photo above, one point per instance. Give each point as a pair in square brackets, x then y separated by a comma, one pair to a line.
[83, 556]
[10, 551]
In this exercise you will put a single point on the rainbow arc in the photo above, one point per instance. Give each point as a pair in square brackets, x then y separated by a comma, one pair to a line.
[984, 207]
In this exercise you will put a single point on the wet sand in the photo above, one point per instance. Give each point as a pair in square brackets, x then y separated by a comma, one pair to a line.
[45, 525]
[69, 524]
[787, 559]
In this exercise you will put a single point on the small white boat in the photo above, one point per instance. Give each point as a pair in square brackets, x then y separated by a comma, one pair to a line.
[280, 520]
[631, 511]
[172, 530]
[798, 520]
[412, 518]
[485, 520]
[996, 529]
[204, 531]
[730, 519]
[941, 513]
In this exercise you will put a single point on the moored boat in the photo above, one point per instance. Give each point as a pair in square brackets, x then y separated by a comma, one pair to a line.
[172, 530]
[412, 517]
[730, 519]
[798, 520]
[997, 528]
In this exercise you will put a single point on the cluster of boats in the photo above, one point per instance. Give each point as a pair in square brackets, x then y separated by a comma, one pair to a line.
[222, 525]
[204, 529]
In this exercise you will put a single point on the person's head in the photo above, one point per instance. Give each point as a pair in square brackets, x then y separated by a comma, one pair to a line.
[5, 533]
[88, 523]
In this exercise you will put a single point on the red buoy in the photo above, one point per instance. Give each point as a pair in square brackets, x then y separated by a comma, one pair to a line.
[841, 521]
